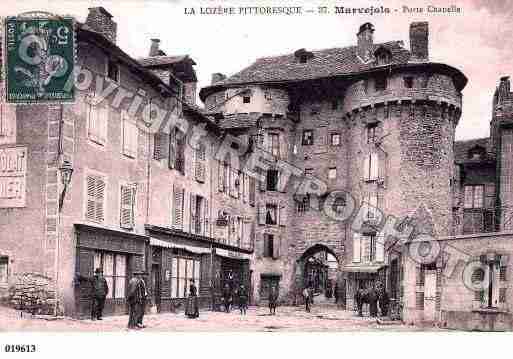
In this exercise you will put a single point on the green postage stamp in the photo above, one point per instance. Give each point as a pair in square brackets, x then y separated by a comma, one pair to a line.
[40, 57]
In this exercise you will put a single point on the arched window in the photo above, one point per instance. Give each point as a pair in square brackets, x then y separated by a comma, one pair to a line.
[382, 55]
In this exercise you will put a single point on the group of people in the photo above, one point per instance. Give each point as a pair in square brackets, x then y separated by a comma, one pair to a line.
[372, 295]
[241, 293]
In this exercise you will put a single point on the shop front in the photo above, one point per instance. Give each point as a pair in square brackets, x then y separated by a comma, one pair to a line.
[118, 254]
[232, 269]
[362, 277]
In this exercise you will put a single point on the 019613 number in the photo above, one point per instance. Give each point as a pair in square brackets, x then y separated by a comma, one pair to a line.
[19, 348]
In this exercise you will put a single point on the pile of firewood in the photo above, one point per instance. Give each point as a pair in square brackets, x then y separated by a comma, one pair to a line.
[33, 293]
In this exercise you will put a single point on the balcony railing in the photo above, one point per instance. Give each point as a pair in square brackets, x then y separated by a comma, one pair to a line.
[483, 220]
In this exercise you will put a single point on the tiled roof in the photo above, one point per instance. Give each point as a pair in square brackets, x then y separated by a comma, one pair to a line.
[461, 148]
[325, 63]
[163, 60]
[239, 120]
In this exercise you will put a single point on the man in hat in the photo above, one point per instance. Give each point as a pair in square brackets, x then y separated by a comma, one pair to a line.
[136, 299]
[144, 295]
[99, 290]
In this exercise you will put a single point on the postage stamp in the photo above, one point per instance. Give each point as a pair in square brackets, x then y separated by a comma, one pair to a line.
[39, 59]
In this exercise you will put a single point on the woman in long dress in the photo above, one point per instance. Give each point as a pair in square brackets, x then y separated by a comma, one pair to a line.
[192, 309]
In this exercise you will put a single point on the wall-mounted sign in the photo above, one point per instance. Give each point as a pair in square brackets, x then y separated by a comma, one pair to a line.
[13, 170]
[168, 274]
[221, 222]
[40, 56]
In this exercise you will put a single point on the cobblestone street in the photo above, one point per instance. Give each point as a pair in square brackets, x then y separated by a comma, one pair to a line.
[287, 319]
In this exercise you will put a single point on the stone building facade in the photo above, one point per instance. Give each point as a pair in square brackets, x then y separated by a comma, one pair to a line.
[376, 121]
[139, 199]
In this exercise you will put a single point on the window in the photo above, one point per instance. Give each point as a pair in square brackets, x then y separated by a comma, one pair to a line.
[6, 122]
[335, 139]
[339, 203]
[97, 124]
[371, 132]
[474, 196]
[95, 198]
[309, 172]
[4, 270]
[183, 269]
[334, 105]
[114, 267]
[496, 292]
[252, 191]
[199, 165]
[371, 204]
[240, 231]
[268, 95]
[130, 136]
[303, 203]
[268, 245]
[246, 99]
[370, 170]
[380, 83]
[177, 150]
[271, 214]
[224, 176]
[272, 180]
[198, 213]
[307, 138]
[257, 141]
[357, 241]
[332, 173]
[274, 143]
[408, 82]
[235, 185]
[127, 206]
[113, 70]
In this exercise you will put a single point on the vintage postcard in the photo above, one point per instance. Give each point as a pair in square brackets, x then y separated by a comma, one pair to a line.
[255, 166]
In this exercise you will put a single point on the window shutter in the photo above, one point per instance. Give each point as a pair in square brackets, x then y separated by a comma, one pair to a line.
[178, 207]
[100, 202]
[161, 146]
[127, 207]
[91, 198]
[282, 215]
[276, 247]
[380, 247]
[356, 247]
[374, 166]
[261, 214]
[220, 177]
[420, 276]
[200, 163]
[366, 242]
[130, 133]
[206, 217]
[366, 169]
[192, 218]
[172, 148]
[252, 190]
[244, 183]
[104, 123]
[261, 184]
[93, 119]
[260, 245]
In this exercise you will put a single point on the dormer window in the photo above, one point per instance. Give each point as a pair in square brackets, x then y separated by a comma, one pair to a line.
[303, 56]
[476, 153]
[383, 56]
[246, 99]
[408, 82]
[113, 71]
[380, 83]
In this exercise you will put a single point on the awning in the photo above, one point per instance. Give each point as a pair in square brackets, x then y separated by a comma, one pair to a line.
[160, 243]
[231, 254]
[363, 268]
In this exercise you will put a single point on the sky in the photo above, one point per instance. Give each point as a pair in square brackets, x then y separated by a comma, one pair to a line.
[477, 40]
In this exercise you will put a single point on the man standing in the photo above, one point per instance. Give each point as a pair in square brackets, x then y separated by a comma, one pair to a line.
[227, 298]
[142, 305]
[99, 290]
[243, 299]
[273, 299]
[308, 294]
[136, 299]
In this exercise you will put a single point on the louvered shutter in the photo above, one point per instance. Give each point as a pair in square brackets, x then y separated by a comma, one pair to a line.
[172, 148]
[419, 275]
[206, 218]
[130, 132]
[366, 249]
[91, 198]
[374, 169]
[261, 183]
[100, 199]
[200, 163]
[380, 247]
[356, 247]
[161, 146]
[92, 131]
[192, 217]
[220, 176]
[243, 186]
[127, 207]
[252, 191]
[276, 247]
[366, 169]
[282, 215]
[104, 123]
[178, 207]
[261, 214]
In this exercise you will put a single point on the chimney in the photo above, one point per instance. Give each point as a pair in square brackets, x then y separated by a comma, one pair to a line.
[154, 48]
[100, 20]
[216, 77]
[419, 41]
[504, 89]
[365, 41]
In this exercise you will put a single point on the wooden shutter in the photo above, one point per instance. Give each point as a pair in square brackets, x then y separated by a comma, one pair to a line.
[220, 177]
[130, 132]
[366, 169]
[127, 207]
[161, 146]
[282, 215]
[366, 243]
[420, 275]
[252, 191]
[356, 247]
[261, 184]
[172, 148]
[92, 129]
[244, 185]
[206, 217]
[177, 207]
[380, 247]
[104, 123]
[276, 247]
[200, 163]
[374, 169]
[91, 198]
[261, 214]
[192, 217]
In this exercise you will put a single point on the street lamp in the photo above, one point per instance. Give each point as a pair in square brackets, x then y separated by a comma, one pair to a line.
[66, 171]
